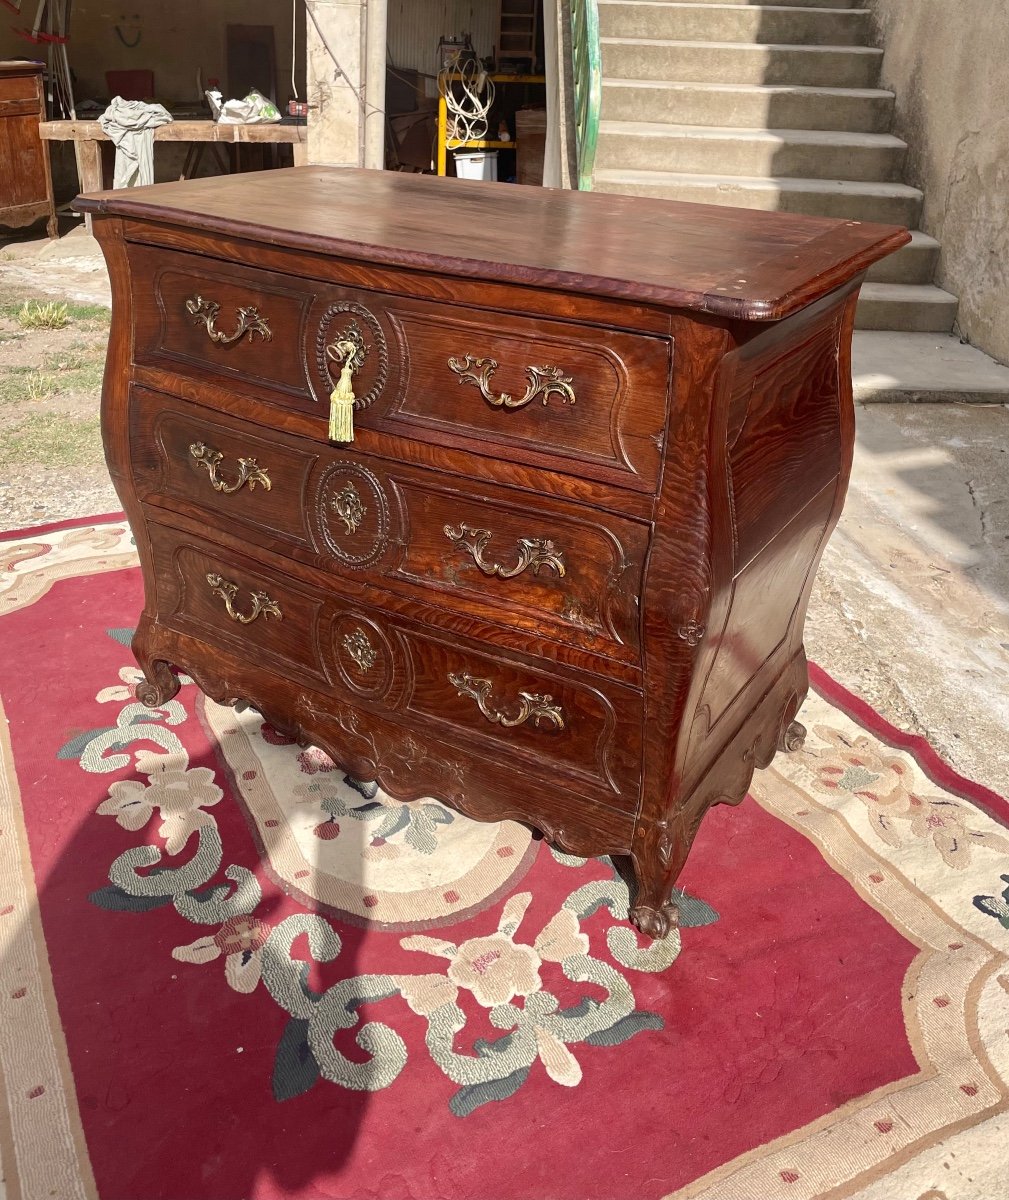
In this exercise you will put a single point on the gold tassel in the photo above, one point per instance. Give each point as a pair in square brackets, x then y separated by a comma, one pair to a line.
[341, 406]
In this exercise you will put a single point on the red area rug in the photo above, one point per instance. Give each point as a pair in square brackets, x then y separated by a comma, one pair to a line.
[231, 972]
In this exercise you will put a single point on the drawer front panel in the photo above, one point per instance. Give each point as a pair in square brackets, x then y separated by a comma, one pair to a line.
[488, 702]
[202, 316]
[19, 87]
[588, 401]
[210, 594]
[273, 336]
[537, 557]
[514, 709]
[594, 398]
[188, 454]
[516, 559]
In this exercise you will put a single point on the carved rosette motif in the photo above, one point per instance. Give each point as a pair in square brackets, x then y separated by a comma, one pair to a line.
[375, 352]
[350, 514]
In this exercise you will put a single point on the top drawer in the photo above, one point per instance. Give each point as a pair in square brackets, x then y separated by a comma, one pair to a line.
[202, 317]
[581, 399]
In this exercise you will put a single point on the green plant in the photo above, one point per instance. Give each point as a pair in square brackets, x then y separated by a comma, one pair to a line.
[13, 384]
[39, 386]
[65, 360]
[34, 315]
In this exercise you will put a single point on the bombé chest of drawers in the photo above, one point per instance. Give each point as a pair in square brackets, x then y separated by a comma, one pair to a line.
[504, 496]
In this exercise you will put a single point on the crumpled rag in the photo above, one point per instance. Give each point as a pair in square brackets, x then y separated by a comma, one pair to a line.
[131, 124]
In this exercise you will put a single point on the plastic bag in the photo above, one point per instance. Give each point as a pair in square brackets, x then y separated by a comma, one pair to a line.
[255, 109]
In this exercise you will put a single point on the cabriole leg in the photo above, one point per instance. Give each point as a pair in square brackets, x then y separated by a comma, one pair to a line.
[660, 851]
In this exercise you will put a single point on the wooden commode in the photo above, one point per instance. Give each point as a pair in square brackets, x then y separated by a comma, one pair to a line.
[560, 573]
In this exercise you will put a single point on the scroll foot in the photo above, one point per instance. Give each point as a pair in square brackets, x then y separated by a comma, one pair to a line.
[792, 737]
[655, 923]
[159, 684]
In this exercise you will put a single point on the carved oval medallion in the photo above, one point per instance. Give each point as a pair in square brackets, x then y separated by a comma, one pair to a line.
[363, 655]
[372, 373]
[350, 514]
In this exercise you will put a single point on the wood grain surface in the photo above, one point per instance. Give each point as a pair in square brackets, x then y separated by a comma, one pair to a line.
[730, 262]
[577, 605]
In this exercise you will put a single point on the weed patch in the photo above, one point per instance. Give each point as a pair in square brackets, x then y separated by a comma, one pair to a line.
[52, 440]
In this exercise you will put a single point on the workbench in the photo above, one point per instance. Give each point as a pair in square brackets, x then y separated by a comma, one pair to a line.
[94, 150]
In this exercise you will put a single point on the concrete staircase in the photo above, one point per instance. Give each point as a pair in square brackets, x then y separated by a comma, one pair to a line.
[771, 106]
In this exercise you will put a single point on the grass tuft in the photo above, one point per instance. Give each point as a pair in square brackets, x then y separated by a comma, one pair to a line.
[53, 440]
[33, 315]
[89, 315]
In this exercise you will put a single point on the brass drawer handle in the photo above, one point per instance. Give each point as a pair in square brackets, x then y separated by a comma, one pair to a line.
[531, 707]
[543, 382]
[533, 553]
[262, 605]
[249, 321]
[249, 471]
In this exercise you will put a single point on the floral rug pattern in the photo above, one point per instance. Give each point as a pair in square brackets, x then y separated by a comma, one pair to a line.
[500, 971]
[234, 971]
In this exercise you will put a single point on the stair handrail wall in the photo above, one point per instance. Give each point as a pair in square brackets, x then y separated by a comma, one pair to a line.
[586, 57]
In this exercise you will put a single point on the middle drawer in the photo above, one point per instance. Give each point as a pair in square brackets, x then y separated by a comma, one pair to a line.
[515, 558]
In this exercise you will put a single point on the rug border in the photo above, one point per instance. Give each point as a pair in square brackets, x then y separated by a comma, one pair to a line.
[72, 1157]
[940, 772]
[108, 518]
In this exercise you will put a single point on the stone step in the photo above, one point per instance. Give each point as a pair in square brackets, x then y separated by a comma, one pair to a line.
[777, 3]
[701, 149]
[752, 106]
[741, 62]
[924, 367]
[889, 203]
[789, 25]
[914, 263]
[907, 308]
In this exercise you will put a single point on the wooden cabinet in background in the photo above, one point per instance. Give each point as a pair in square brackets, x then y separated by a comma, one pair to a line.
[26, 185]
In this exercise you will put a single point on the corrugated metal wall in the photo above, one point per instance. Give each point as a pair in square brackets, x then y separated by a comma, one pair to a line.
[416, 25]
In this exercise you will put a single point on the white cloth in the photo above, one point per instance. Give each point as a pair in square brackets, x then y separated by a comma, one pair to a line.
[131, 124]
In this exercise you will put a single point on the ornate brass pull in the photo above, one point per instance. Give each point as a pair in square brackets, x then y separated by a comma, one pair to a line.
[531, 707]
[249, 321]
[262, 605]
[360, 649]
[249, 471]
[543, 382]
[346, 504]
[533, 552]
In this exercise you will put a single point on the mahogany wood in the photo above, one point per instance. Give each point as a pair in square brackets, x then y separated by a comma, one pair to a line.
[26, 188]
[580, 556]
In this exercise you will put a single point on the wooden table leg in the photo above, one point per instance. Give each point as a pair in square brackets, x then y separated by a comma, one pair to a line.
[89, 169]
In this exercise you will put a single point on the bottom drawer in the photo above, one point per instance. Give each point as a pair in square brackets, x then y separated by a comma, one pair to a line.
[504, 707]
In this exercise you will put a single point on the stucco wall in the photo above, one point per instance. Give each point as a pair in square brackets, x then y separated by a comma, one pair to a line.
[946, 61]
